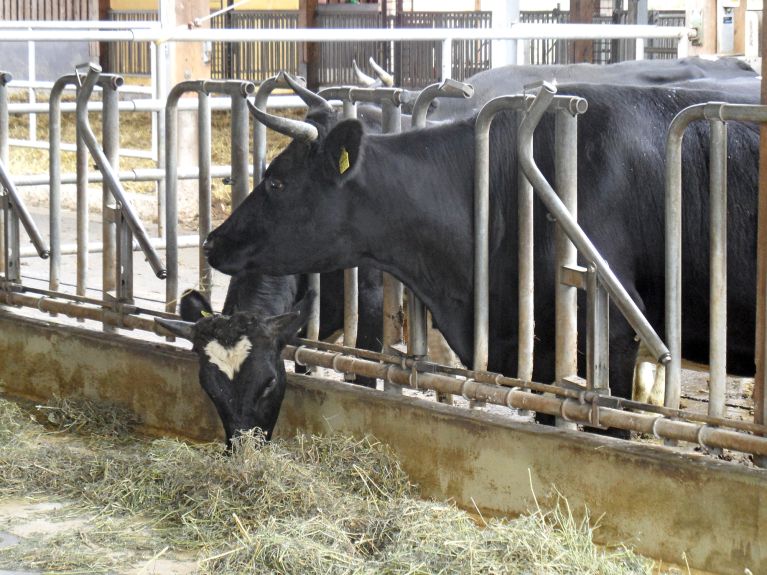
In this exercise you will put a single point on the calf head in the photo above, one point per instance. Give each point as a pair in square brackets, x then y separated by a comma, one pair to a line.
[241, 368]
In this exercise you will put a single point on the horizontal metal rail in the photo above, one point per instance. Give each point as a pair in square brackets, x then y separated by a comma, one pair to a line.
[189, 241]
[515, 31]
[130, 175]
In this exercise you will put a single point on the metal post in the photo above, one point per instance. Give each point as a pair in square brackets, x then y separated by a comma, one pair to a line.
[392, 288]
[111, 143]
[447, 58]
[5, 77]
[566, 185]
[598, 329]
[12, 241]
[240, 180]
[718, 268]
[81, 156]
[204, 179]
[54, 172]
[525, 272]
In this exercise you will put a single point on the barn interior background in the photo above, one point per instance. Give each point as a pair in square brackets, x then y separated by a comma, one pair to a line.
[724, 27]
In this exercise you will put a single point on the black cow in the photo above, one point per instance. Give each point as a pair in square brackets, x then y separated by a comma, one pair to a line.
[512, 79]
[241, 368]
[406, 205]
[252, 291]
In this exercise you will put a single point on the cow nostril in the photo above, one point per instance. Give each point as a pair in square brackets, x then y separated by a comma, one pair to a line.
[207, 244]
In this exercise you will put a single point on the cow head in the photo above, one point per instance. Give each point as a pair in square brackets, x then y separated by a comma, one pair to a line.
[241, 368]
[300, 201]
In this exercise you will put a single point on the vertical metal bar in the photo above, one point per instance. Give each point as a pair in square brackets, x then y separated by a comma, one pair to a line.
[124, 289]
[32, 77]
[12, 241]
[240, 181]
[598, 331]
[639, 47]
[566, 184]
[4, 135]
[525, 275]
[718, 268]
[313, 326]
[111, 145]
[54, 172]
[204, 179]
[447, 58]
[351, 278]
[392, 288]
[170, 214]
[82, 211]
[481, 242]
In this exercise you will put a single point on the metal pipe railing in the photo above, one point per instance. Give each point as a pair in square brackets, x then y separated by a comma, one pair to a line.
[204, 200]
[20, 211]
[715, 113]
[70, 248]
[110, 138]
[5, 77]
[584, 245]
[416, 310]
[237, 91]
[115, 186]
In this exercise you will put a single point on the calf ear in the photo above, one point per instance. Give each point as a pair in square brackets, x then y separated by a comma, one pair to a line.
[341, 149]
[193, 306]
[285, 326]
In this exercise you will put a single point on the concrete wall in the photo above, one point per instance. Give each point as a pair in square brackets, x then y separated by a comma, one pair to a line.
[660, 502]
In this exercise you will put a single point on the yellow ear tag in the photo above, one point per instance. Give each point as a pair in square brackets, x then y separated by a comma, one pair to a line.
[204, 313]
[343, 161]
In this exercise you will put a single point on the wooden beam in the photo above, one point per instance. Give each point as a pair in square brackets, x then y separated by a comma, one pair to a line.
[307, 18]
[582, 12]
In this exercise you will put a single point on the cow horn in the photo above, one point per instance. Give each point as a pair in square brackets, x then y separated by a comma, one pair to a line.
[302, 131]
[362, 78]
[183, 329]
[314, 101]
[385, 77]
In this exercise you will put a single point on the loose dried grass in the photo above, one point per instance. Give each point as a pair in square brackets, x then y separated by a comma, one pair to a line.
[307, 505]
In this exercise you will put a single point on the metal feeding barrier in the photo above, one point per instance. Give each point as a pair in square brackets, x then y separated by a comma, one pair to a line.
[589, 404]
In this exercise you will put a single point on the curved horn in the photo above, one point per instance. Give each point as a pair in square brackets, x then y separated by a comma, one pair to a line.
[362, 78]
[302, 131]
[385, 77]
[311, 99]
[179, 328]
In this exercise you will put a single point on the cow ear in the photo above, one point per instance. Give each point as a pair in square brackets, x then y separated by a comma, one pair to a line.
[341, 149]
[286, 326]
[193, 306]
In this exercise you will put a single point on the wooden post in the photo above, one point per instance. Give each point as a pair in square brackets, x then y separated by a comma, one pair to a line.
[307, 18]
[582, 12]
[760, 383]
[104, 47]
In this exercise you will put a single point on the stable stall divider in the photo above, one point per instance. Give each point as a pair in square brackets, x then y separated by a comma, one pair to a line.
[716, 113]
[237, 91]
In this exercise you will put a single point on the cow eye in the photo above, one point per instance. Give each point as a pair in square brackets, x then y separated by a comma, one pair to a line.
[275, 185]
[270, 385]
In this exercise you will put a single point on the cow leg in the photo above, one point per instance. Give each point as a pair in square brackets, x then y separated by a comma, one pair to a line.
[649, 378]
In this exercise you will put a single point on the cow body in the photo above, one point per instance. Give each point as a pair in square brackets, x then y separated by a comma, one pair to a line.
[513, 79]
[420, 231]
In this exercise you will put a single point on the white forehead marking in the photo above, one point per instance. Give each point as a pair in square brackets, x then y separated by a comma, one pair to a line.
[228, 359]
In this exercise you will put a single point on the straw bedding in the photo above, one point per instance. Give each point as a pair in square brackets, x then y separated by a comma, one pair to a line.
[305, 505]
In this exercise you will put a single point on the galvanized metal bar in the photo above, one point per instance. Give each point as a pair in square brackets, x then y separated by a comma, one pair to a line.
[598, 332]
[70, 248]
[259, 130]
[584, 245]
[22, 213]
[587, 410]
[566, 303]
[717, 386]
[111, 143]
[5, 77]
[240, 144]
[124, 257]
[525, 271]
[205, 223]
[130, 175]
[114, 183]
[392, 288]
[81, 207]
[12, 240]
[54, 175]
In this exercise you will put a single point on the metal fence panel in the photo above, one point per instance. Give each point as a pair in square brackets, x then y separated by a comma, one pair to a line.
[663, 48]
[49, 10]
[419, 63]
[131, 58]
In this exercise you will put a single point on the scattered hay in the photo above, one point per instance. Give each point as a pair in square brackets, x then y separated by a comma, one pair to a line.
[307, 505]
